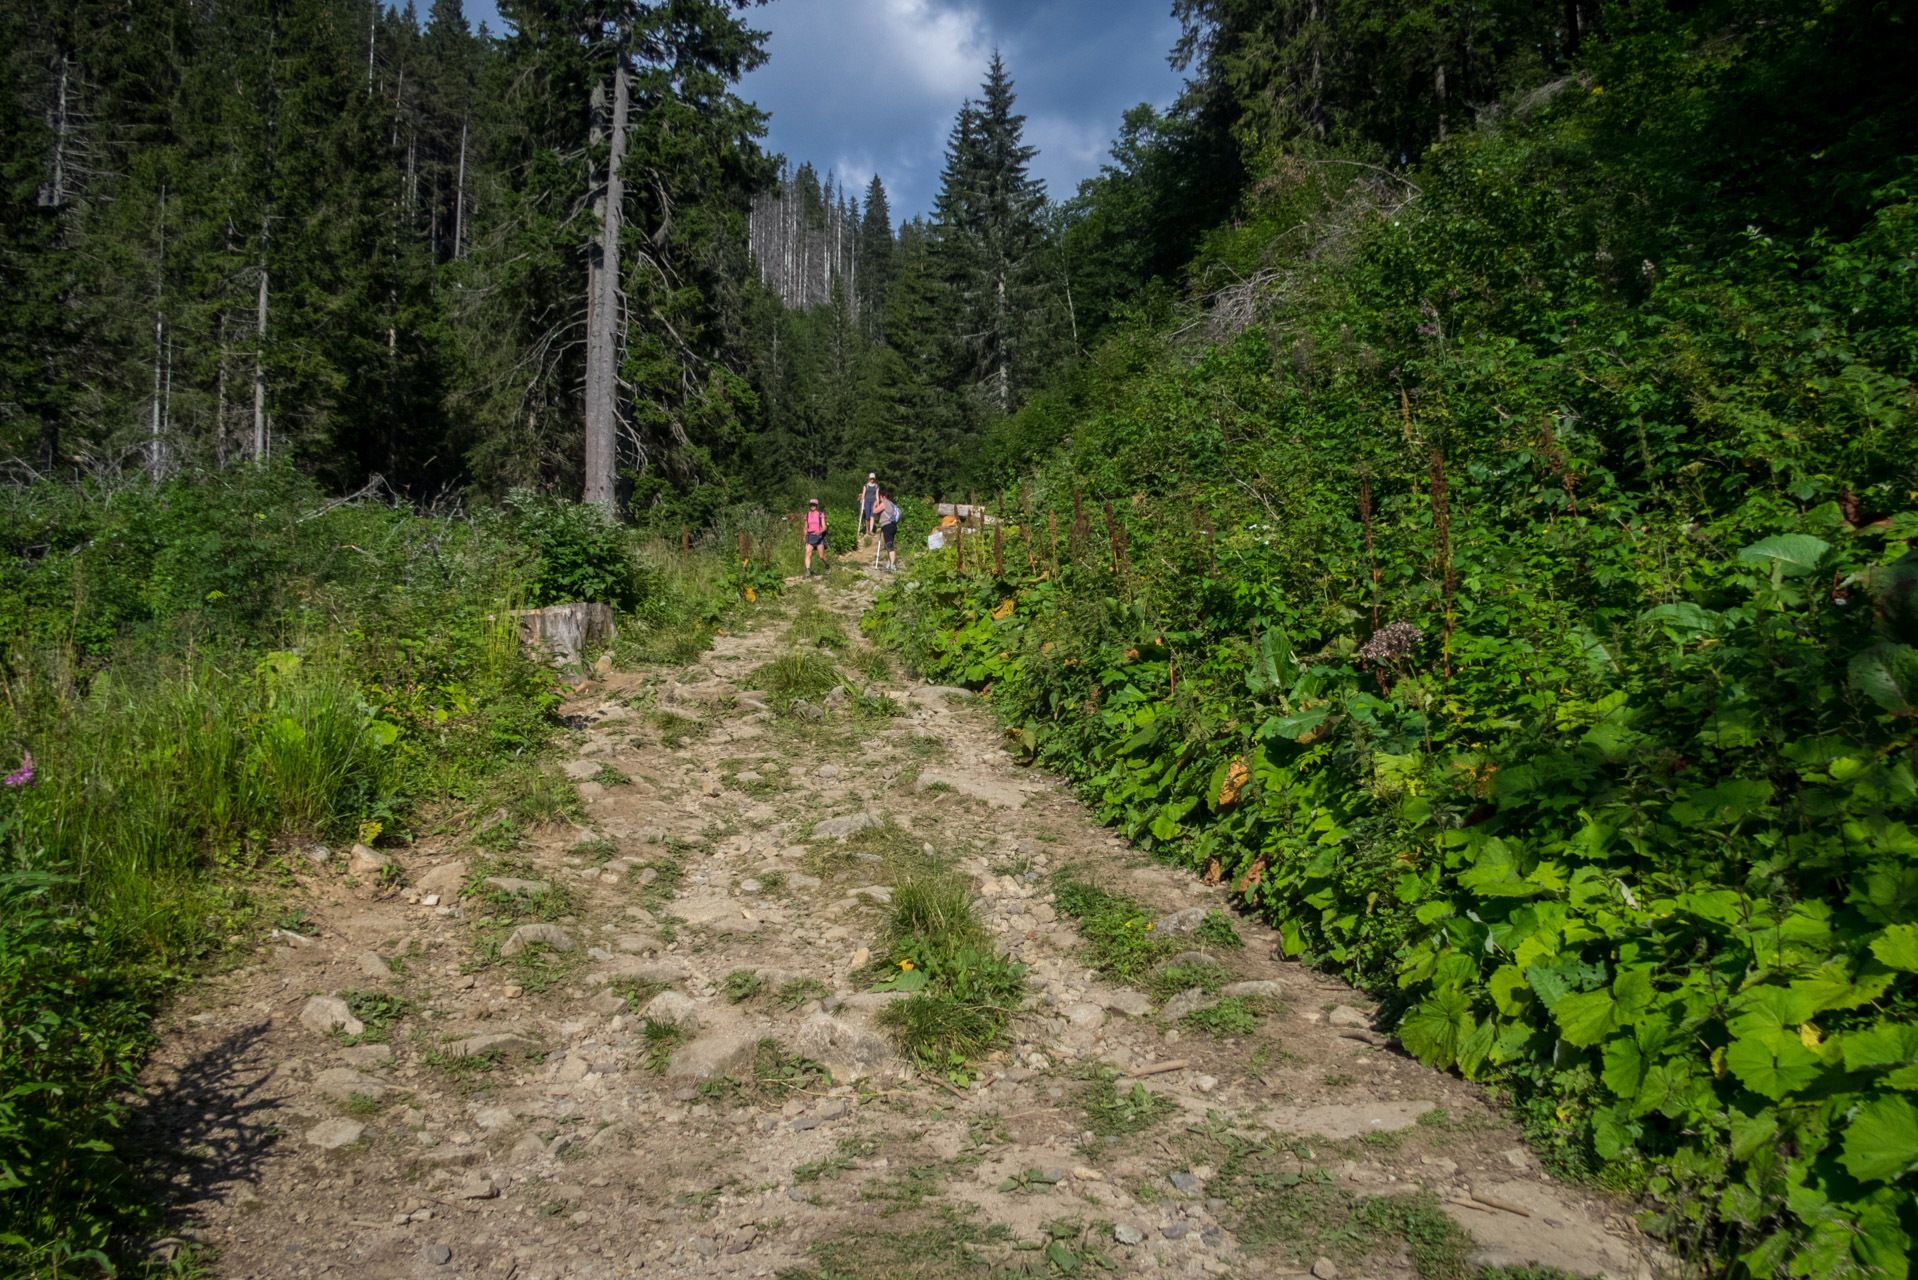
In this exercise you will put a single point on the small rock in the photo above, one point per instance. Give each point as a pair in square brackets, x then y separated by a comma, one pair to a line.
[1517, 1157]
[363, 861]
[743, 1239]
[326, 1014]
[833, 828]
[331, 1135]
[477, 1188]
[437, 1254]
[372, 966]
[806, 710]
[606, 1003]
[341, 1083]
[750, 886]
[671, 1006]
[1346, 1016]
[1186, 1002]
[1083, 1174]
[648, 875]
[512, 884]
[827, 771]
[1325, 1269]
[526, 935]
[604, 667]
[580, 770]
[801, 881]
[1177, 1231]
[367, 1055]
[512, 992]
[493, 1117]
[1131, 1003]
[1183, 1181]
[1126, 1233]
[1206, 1084]
[1263, 987]
[1180, 923]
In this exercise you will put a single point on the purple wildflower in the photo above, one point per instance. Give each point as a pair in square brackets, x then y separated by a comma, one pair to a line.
[23, 776]
[1391, 642]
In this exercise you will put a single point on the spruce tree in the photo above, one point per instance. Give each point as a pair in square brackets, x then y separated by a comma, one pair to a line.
[878, 259]
[989, 233]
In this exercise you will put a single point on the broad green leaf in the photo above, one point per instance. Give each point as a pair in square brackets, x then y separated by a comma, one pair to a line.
[1790, 555]
[1888, 1044]
[1749, 1133]
[1723, 804]
[1439, 1027]
[1772, 1063]
[1510, 990]
[1681, 620]
[1881, 1141]
[1888, 675]
[1897, 946]
[1587, 1018]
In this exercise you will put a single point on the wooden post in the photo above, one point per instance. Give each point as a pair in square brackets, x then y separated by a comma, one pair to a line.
[1112, 536]
[685, 541]
[742, 548]
[1052, 536]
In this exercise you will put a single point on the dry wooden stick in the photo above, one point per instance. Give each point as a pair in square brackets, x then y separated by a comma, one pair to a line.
[1160, 1068]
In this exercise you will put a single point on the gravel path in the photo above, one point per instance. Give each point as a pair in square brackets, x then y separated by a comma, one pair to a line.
[501, 1111]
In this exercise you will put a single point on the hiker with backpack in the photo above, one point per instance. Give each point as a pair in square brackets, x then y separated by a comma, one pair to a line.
[886, 516]
[868, 501]
[815, 535]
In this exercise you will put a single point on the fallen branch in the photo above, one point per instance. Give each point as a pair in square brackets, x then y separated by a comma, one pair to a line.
[1506, 1205]
[1160, 1068]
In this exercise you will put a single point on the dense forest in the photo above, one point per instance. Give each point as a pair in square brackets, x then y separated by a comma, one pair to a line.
[1456, 469]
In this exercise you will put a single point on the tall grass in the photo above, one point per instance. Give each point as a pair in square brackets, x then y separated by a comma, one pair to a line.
[145, 773]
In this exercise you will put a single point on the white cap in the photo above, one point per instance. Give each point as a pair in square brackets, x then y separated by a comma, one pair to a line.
[872, 475]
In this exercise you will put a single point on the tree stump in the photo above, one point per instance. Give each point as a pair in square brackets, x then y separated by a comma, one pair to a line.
[566, 631]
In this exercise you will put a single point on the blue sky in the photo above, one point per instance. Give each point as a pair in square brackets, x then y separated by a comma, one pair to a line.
[862, 85]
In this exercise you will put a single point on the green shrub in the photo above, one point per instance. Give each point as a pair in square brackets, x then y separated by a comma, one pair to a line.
[962, 990]
[799, 674]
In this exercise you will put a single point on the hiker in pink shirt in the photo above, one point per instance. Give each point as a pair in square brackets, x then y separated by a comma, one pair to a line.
[815, 535]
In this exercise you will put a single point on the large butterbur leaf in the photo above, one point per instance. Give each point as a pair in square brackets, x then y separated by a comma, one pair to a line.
[1888, 675]
[1789, 555]
[1898, 947]
[1882, 1140]
[1439, 1028]
[1772, 1063]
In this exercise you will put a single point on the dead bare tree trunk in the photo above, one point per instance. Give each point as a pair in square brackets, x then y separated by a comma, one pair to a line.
[459, 201]
[603, 317]
[259, 355]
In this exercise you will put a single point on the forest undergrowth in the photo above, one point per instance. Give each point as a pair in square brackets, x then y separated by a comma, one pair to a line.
[204, 678]
[1506, 591]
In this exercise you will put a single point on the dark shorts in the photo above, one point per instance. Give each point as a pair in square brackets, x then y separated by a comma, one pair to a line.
[887, 532]
[865, 513]
[815, 539]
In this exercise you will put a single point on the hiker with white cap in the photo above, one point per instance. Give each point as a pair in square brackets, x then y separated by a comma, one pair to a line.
[868, 504]
[815, 535]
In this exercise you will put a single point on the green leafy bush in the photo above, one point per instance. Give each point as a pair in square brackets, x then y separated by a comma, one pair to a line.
[1555, 680]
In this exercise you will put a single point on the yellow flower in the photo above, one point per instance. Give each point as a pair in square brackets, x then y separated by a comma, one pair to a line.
[905, 964]
[1149, 925]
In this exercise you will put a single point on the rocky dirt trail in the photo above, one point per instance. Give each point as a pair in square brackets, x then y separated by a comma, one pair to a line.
[599, 1053]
